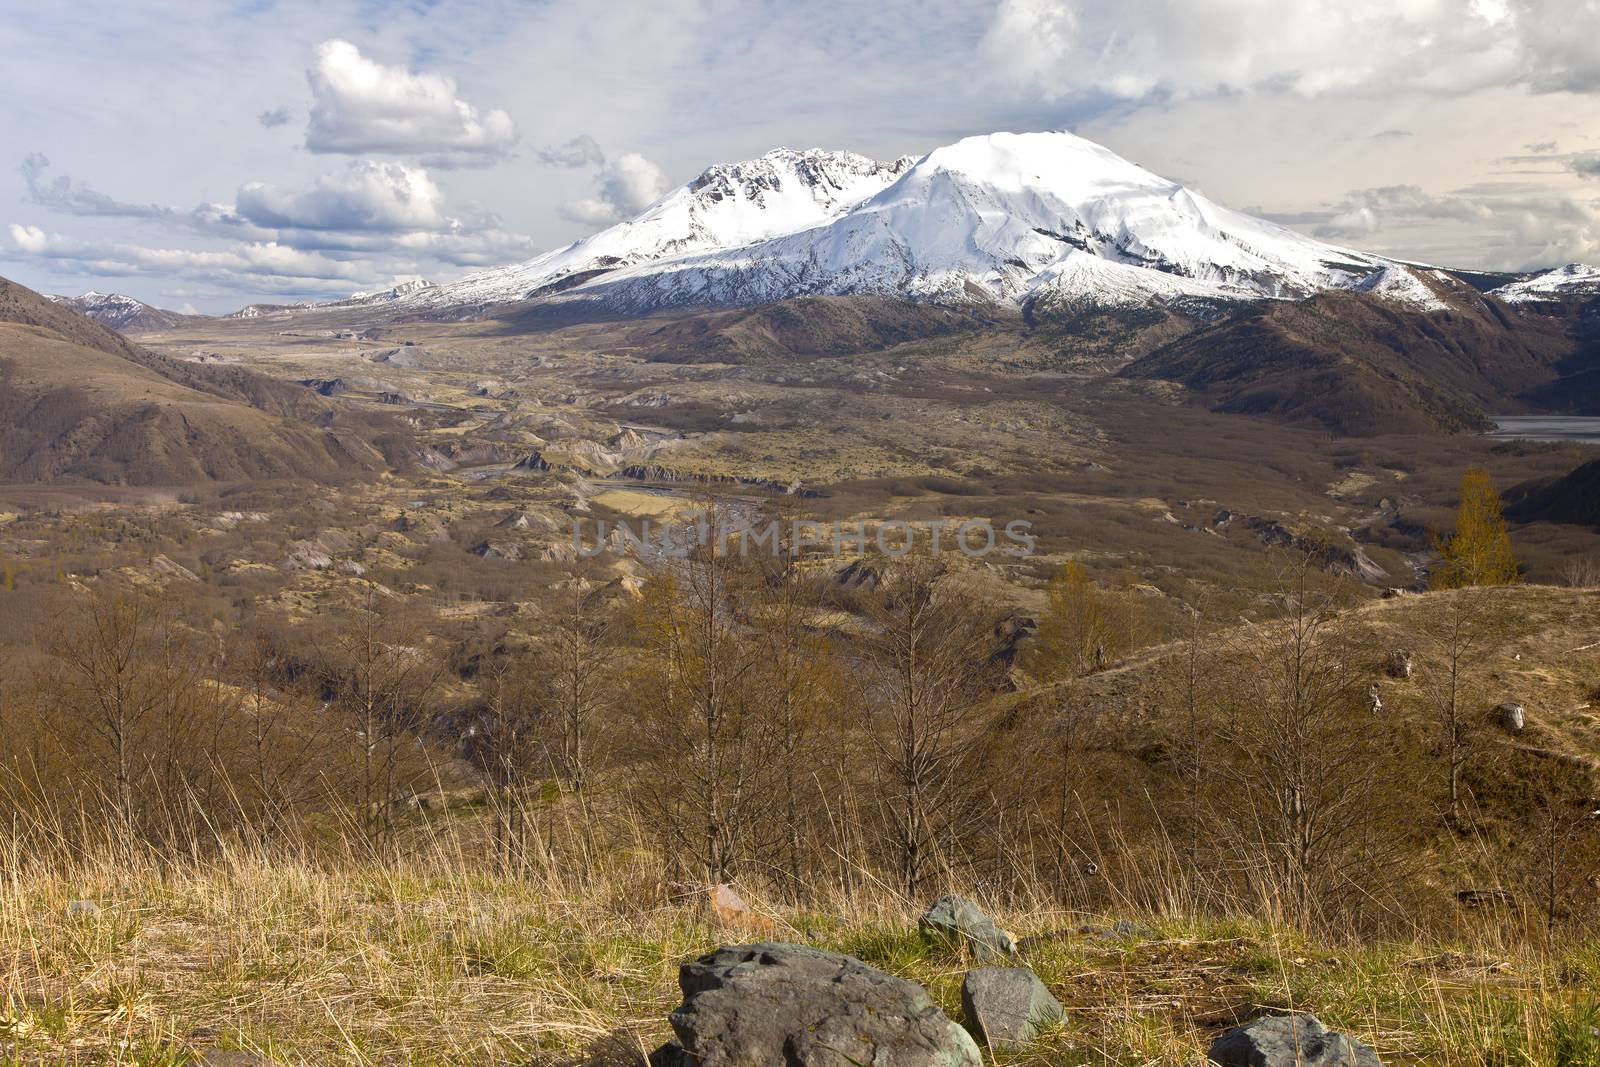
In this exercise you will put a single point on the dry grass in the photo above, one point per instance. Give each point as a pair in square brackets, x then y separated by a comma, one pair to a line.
[435, 960]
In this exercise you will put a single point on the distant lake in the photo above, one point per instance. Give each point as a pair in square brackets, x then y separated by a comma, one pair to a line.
[1583, 429]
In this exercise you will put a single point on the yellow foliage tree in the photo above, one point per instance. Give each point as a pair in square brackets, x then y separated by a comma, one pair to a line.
[1479, 552]
[1084, 628]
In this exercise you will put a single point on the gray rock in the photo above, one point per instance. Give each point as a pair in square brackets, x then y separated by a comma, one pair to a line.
[1289, 1041]
[1008, 1005]
[82, 909]
[1513, 717]
[774, 1003]
[958, 921]
[1129, 928]
[221, 1058]
[1402, 664]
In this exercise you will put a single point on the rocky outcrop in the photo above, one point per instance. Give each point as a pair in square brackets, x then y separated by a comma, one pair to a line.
[775, 1003]
[509, 551]
[1289, 1041]
[959, 922]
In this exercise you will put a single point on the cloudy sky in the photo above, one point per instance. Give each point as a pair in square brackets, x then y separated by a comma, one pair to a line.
[209, 154]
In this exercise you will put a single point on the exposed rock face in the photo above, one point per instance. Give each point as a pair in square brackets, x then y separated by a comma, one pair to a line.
[1008, 1005]
[773, 1003]
[1289, 1041]
[959, 921]
[503, 550]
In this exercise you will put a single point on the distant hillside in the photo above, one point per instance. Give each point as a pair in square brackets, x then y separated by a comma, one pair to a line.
[79, 401]
[1574, 498]
[807, 326]
[1361, 367]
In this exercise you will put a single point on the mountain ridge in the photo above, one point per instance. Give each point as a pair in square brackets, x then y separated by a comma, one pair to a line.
[121, 312]
[81, 402]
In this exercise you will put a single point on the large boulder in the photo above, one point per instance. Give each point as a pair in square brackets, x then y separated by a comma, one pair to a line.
[1008, 1005]
[1289, 1041]
[958, 921]
[774, 1003]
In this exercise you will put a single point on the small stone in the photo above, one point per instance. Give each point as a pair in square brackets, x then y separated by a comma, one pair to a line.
[957, 920]
[231, 1058]
[1289, 1041]
[1129, 928]
[729, 909]
[1007, 1006]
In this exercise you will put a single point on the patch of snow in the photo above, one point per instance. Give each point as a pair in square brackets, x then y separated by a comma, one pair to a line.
[1405, 287]
[1575, 279]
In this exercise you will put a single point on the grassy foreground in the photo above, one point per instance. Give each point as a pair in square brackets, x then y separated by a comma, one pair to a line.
[433, 961]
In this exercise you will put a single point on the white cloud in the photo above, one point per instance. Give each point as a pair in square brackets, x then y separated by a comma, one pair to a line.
[1513, 227]
[581, 151]
[63, 194]
[625, 186]
[367, 195]
[254, 261]
[362, 106]
[1179, 48]
[1364, 212]
[274, 117]
[255, 258]
[29, 238]
[373, 219]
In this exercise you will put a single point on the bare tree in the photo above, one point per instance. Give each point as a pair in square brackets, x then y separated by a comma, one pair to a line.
[798, 679]
[1305, 760]
[1581, 572]
[126, 701]
[578, 685]
[1454, 630]
[381, 679]
[507, 742]
[929, 674]
[698, 717]
[279, 756]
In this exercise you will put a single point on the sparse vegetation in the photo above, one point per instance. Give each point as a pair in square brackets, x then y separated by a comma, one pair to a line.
[388, 773]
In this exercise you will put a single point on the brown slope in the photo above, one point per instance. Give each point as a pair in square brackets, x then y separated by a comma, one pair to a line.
[78, 401]
[804, 326]
[1358, 366]
[1573, 498]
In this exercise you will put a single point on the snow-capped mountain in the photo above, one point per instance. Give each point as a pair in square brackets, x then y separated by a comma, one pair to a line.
[1573, 280]
[728, 206]
[1011, 218]
[261, 311]
[395, 292]
[119, 312]
[1037, 219]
